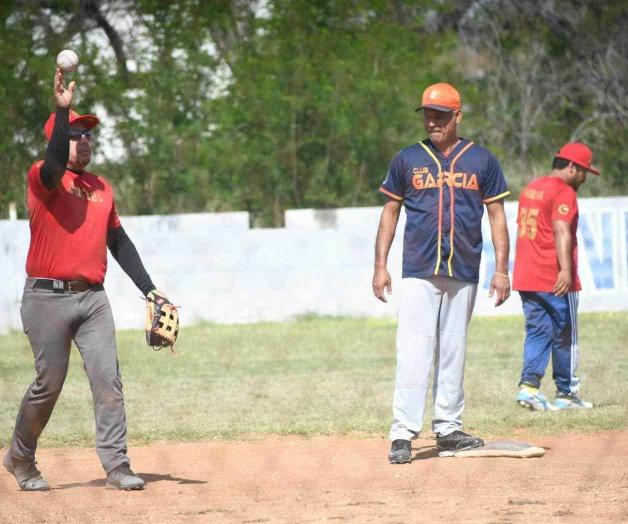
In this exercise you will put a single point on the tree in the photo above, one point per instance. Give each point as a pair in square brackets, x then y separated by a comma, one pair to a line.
[557, 73]
[268, 105]
[319, 103]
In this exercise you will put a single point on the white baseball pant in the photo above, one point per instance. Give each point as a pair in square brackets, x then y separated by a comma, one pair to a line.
[434, 315]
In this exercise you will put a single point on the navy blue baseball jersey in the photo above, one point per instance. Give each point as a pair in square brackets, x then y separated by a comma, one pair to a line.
[444, 197]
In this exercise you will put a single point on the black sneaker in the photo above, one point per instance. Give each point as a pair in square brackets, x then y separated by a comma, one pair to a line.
[400, 452]
[458, 441]
[26, 473]
[123, 477]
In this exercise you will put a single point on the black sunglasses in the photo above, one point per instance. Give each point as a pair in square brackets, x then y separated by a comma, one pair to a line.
[77, 134]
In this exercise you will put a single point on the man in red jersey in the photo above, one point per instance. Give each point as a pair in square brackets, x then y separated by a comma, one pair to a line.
[73, 220]
[546, 276]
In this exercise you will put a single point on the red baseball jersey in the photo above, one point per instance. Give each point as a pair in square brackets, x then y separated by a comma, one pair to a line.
[536, 264]
[69, 226]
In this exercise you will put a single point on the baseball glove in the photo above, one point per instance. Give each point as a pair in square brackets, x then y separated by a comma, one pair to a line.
[162, 321]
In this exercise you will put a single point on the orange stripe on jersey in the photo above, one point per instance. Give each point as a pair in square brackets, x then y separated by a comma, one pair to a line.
[496, 197]
[440, 204]
[452, 219]
[440, 220]
[391, 195]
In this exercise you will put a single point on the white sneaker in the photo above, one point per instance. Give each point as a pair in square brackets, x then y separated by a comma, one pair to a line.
[571, 401]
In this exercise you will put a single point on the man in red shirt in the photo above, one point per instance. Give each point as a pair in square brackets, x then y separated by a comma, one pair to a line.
[73, 220]
[546, 276]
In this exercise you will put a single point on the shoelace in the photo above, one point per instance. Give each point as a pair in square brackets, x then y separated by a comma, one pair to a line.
[123, 471]
[27, 470]
[32, 470]
[542, 399]
[399, 445]
[573, 398]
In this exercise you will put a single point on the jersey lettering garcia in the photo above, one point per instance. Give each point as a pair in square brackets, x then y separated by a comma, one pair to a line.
[543, 201]
[69, 226]
[444, 198]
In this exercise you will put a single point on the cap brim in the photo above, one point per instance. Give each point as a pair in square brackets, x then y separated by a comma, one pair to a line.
[89, 121]
[438, 108]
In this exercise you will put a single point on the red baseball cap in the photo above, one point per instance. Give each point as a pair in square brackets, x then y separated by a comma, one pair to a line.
[442, 97]
[579, 154]
[89, 121]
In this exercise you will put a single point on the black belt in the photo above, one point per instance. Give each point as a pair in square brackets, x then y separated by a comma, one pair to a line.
[65, 286]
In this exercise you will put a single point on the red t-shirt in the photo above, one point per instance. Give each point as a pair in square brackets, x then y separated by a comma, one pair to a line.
[536, 263]
[69, 226]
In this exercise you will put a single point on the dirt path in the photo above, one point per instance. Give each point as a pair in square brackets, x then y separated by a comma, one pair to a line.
[582, 478]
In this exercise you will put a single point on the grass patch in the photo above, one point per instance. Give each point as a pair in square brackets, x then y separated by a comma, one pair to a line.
[312, 376]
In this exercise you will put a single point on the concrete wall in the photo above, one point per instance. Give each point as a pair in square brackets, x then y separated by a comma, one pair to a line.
[217, 269]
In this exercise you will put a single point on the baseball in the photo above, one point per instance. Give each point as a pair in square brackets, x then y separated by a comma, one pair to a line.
[67, 60]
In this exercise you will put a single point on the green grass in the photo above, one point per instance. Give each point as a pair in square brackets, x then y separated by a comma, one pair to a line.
[312, 376]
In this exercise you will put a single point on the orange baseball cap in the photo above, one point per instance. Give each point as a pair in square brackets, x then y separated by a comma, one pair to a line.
[442, 97]
[90, 121]
[579, 154]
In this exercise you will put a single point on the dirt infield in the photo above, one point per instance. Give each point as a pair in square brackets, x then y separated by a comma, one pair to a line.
[581, 478]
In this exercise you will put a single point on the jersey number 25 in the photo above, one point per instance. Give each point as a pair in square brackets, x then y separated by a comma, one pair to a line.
[527, 222]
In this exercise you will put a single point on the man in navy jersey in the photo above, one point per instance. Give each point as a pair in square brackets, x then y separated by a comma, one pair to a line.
[444, 182]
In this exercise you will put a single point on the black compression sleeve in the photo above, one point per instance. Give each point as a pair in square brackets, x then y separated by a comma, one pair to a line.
[58, 150]
[123, 250]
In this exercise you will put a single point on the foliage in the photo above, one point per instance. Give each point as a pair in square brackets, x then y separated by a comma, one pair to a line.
[269, 105]
[556, 72]
[317, 107]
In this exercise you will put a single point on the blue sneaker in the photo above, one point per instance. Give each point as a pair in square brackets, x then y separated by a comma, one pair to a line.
[571, 401]
[534, 401]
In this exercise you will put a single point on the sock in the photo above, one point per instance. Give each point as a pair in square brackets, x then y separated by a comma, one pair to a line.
[530, 389]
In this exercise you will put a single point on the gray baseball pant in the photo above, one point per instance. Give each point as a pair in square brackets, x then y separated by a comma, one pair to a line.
[434, 314]
[51, 321]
